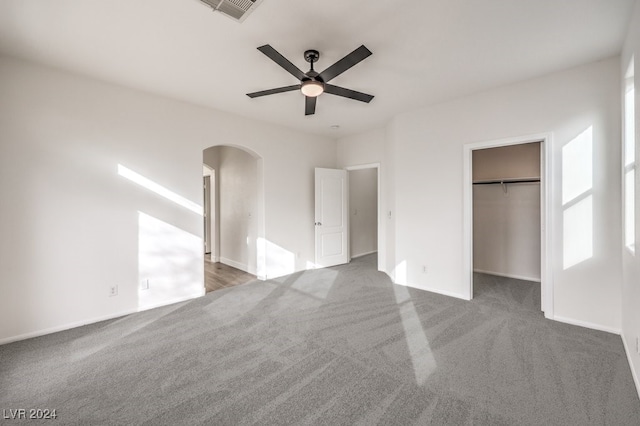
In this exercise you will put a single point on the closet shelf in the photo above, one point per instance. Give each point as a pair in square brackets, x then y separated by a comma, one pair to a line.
[505, 181]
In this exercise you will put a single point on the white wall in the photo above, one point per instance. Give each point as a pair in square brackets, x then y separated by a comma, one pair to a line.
[429, 146]
[238, 205]
[70, 224]
[422, 183]
[363, 214]
[630, 262]
[507, 162]
[372, 148]
[363, 148]
[506, 230]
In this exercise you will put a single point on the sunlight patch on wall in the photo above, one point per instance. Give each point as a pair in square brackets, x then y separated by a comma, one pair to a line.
[400, 273]
[424, 363]
[630, 210]
[577, 199]
[158, 189]
[629, 124]
[578, 233]
[630, 160]
[171, 260]
[280, 261]
[261, 258]
[577, 166]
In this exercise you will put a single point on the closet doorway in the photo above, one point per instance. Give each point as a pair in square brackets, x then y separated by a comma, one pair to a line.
[506, 223]
[505, 216]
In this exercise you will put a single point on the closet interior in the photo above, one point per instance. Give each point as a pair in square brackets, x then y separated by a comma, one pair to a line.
[506, 215]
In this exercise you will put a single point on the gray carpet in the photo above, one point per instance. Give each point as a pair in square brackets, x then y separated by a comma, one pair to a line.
[334, 346]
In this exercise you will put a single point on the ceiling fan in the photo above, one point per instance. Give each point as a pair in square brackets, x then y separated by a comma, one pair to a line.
[313, 84]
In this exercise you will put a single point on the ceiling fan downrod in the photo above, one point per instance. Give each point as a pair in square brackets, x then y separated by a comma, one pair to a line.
[311, 56]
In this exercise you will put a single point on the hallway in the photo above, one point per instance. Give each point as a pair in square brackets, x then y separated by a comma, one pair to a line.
[218, 275]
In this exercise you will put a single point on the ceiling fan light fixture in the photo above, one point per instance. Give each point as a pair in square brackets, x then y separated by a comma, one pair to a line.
[312, 88]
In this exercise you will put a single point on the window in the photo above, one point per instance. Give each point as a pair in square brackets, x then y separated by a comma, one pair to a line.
[629, 160]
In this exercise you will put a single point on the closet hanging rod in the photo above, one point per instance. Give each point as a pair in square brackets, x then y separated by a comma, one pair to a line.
[505, 181]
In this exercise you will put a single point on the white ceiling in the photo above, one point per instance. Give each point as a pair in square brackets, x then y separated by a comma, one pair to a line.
[424, 51]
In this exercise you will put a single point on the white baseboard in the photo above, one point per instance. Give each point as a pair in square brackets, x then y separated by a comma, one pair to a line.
[447, 293]
[586, 324]
[355, 256]
[500, 274]
[172, 301]
[94, 320]
[634, 373]
[63, 327]
[438, 291]
[237, 265]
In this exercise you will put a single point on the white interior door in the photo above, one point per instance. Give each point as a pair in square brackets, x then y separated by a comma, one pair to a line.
[331, 218]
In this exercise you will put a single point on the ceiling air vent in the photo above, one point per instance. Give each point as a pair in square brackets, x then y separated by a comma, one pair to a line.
[237, 10]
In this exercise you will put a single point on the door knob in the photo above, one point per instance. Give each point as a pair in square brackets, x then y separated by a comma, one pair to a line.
[318, 223]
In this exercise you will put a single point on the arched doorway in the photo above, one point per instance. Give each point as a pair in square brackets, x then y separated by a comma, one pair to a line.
[234, 215]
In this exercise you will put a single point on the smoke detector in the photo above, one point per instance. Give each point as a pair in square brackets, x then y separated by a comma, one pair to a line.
[238, 10]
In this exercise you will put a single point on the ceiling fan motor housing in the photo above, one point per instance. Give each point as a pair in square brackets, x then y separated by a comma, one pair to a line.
[311, 55]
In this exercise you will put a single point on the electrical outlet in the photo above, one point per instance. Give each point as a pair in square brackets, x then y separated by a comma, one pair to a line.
[425, 269]
[113, 290]
[144, 284]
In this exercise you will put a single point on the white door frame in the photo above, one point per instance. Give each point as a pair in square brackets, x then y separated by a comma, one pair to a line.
[381, 246]
[546, 225]
[206, 212]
